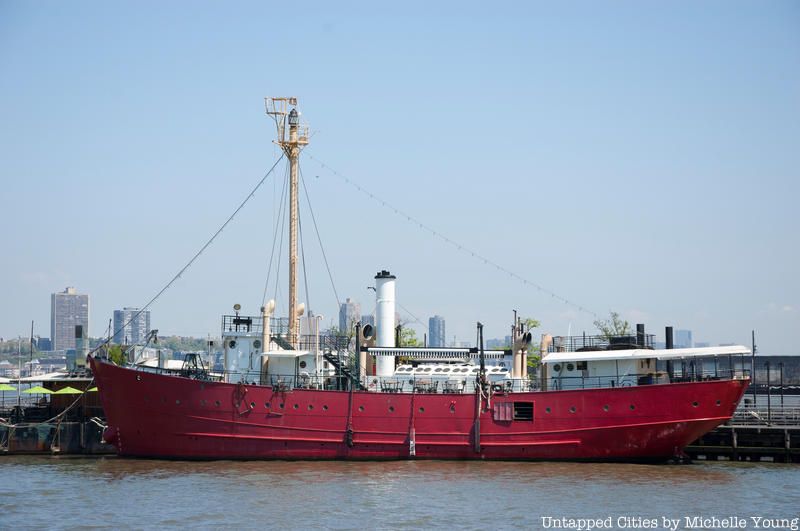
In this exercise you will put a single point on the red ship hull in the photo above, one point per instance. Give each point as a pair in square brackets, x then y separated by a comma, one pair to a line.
[166, 416]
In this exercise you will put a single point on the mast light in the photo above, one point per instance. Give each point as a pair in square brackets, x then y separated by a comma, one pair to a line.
[294, 117]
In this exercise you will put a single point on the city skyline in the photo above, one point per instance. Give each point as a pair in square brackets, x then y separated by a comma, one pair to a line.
[656, 180]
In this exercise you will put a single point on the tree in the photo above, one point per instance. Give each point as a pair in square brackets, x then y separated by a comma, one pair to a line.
[408, 337]
[614, 326]
[117, 355]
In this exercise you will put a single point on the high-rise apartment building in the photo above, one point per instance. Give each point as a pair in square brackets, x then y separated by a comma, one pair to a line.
[349, 313]
[436, 332]
[682, 339]
[130, 328]
[67, 309]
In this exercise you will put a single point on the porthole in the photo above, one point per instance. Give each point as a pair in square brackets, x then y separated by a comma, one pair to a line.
[572, 409]
[177, 402]
[695, 404]
[605, 407]
[266, 405]
[422, 410]
[452, 408]
[547, 410]
[570, 367]
[216, 403]
[257, 343]
[252, 405]
[281, 405]
[361, 408]
[232, 343]
[303, 364]
[633, 407]
[138, 377]
[310, 407]
[295, 406]
[324, 408]
[718, 403]
[557, 367]
[391, 409]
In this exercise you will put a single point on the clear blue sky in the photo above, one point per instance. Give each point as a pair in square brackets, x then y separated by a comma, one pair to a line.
[631, 156]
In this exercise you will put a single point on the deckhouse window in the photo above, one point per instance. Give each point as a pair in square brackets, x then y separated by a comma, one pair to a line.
[523, 410]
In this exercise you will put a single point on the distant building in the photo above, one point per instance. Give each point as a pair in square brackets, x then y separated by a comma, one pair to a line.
[368, 319]
[702, 344]
[682, 339]
[67, 309]
[130, 328]
[436, 334]
[44, 344]
[349, 313]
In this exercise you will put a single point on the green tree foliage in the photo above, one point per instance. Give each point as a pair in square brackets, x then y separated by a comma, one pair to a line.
[613, 326]
[408, 337]
[12, 346]
[117, 355]
[183, 344]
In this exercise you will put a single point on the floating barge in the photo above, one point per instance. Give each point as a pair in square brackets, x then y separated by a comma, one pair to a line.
[56, 423]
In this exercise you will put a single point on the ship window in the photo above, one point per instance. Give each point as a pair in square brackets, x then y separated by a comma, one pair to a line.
[523, 410]
[324, 408]
[216, 403]
[694, 404]
[232, 344]
[557, 367]
[303, 364]
[581, 365]
[572, 409]
[633, 407]
[547, 410]
[605, 407]
[252, 405]
[570, 367]
[422, 410]
[310, 407]
[361, 408]
[295, 406]
[266, 405]
[718, 402]
[257, 343]
[391, 409]
[178, 402]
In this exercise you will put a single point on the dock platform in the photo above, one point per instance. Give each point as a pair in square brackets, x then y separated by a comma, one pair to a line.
[754, 434]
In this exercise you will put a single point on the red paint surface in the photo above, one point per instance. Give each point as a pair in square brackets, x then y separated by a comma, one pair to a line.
[157, 415]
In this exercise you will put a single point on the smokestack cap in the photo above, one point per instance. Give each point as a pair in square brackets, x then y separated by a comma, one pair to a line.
[384, 274]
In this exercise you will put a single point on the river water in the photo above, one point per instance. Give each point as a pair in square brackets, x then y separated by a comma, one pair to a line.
[110, 492]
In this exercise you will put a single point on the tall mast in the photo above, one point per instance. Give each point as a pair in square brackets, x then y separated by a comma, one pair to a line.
[278, 108]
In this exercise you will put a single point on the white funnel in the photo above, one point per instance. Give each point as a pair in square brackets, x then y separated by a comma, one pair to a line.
[384, 320]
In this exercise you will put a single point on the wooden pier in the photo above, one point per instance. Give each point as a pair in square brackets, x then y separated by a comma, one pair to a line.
[754, 434]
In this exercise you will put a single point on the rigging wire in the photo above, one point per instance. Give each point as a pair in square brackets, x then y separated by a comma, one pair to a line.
[458, 246]
[319, 239]
[303, 260]
[280, 245]
[195, 257]
[275, 219]
[409, 313]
